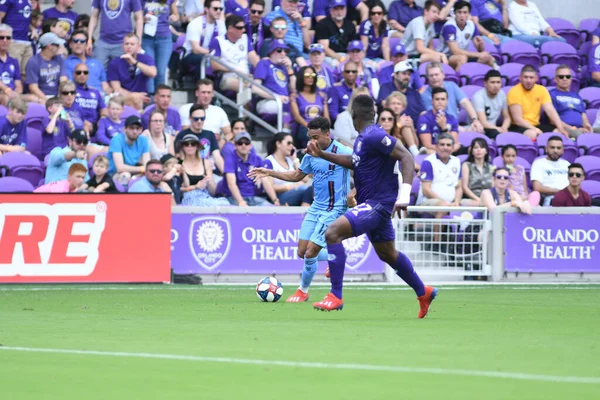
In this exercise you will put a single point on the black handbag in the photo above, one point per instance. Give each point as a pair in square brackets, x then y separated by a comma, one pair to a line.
[495, 26]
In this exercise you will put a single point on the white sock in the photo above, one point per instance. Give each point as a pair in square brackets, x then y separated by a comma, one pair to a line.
[414, 150]
[303, 289]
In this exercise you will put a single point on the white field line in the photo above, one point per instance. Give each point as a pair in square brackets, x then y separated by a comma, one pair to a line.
[318, 365]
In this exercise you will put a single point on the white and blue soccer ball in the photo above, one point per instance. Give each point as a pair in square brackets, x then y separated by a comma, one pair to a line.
[269, 289]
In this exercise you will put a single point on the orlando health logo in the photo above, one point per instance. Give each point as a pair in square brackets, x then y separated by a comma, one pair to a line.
[358, 250]
[210, 240]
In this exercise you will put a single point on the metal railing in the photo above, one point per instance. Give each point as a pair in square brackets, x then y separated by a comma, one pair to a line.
[243, 112]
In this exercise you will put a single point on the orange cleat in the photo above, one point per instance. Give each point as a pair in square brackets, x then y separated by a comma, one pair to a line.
[327, 274]
[298, 297]
[329, 303]
[425, 300]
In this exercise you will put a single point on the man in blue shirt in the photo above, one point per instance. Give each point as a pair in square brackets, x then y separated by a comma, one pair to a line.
[297, 29]
[436, 122]
[331, 184]
[151, 182]
[96, 72]
[569, 105]
[128, 153]
[61, 159]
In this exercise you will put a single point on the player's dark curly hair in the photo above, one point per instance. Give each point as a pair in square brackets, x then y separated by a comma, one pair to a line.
[363, 107]
[319, 123]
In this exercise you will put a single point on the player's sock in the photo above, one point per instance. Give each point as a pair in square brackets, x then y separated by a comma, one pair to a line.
[308, 272]
[323, 255]
[405, 270]
[337, 265]
[414, 150]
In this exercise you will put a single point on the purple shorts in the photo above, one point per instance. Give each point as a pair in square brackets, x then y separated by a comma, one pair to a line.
[373, 219]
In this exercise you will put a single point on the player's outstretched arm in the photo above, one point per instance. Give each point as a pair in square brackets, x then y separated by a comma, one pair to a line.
[288, 176]
[343, 160]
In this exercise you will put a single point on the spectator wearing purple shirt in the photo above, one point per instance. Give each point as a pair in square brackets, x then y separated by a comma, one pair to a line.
[160, 45]
[594, 65]
[237, 7]
[491, 18]
[239, 188]
[402, 12]
[162, 99]
[340, 93]
[257, 27]
[569, 105]
[58, 126]
[326, 76]
[12, 127]
[367, 75]
[115, 23]
[89, 99]
[62, 12]
[130, 73]
[437, 122]
[10, 73]
[17, 14]
[109, 126]
[374, 34]
[45, 70]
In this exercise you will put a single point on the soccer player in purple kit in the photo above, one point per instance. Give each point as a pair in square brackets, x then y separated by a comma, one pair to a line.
[379, 198]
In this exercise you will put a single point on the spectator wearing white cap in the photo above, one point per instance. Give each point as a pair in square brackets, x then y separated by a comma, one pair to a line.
[335, 32]
[419, 34]
[386, 74]
[45, 70]
[402, 77]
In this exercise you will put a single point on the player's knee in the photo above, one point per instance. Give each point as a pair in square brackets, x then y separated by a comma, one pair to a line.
[332, 237]
[301, 253]
[388, 257]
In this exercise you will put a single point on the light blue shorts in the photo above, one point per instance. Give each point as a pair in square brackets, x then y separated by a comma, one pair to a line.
[315, 224]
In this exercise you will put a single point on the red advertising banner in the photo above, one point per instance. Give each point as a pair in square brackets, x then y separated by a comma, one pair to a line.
[85, 238]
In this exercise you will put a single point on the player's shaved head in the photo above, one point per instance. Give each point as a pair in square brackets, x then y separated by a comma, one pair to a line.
[363, 108]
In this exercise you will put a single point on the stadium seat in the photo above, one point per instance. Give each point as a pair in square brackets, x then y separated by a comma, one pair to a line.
[34, 141]
[472, 73]
[586, 27]
[470, 90]
[11, 184]
[490, 48]
[591, 166]
[462, 157]
[24, 166]
[591, 95]
[35, 114]
[525, 147]
[510, 73]
[589, 144]
[592, 113]
[584, 51]
[129, 111]
[565, 29]
[570, 152]
[560, 53]
[499, 162]
[516, 51]
[592, 188]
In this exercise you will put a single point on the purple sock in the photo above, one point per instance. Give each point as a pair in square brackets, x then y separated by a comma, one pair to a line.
[337, 265]
[405, 270]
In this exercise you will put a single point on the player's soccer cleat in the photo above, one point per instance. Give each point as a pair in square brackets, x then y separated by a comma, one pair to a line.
[298, 297]
[327, 274]
[329, 303]
[425, 300]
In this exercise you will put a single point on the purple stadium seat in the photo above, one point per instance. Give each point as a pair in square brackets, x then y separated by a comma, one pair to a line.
[565, 29]
[129, 111]
[520, 52]
[11, 184]
[510, 73]
[547, 73]
[383, 65]
[414, 191]
[419, 158]
[525, 147]
[35, 114]
[470, 90]
[592, 188]
[507, 88]
[592, 113]
[472, 73]
[589, 144]
[583, 51]
[490, 48]
[24, 166]
[448, 72]
[586, 27]
[34, 141]
[591, 95]
[3, 111]
[571, 151]
[499, 162]
[560, 53]
[462, 157]
[591, 166]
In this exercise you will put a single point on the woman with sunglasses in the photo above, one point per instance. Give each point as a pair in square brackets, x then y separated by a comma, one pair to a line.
[366, 74]
[160, 142]
[307, 105]
[501, 196]
[374, 34]
[66, 95]
[397, 103]
[477, 173]
[157, 40]
[388, 122]
[198, 185]
[282, 158]
[518, 178]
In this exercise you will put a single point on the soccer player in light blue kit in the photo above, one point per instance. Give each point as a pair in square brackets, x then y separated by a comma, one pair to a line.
[331, 184]
[377, 184]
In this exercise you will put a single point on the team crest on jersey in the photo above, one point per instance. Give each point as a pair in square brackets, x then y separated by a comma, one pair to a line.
[113, 8]
[386, 141]
[454, 170]
[452, 37]
[491, 7]
[312, 112]
[279, 77]
[241, 46]
[423, 127]
[358, 146]
[321, 84]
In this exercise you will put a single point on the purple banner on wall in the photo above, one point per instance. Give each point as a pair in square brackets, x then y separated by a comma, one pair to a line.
[551, 243]
[252, 244]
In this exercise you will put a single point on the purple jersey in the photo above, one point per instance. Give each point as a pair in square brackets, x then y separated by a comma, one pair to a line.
[130, 77]
[258, 33]
[107, 129]
[402, 13]
[240, 168]
[18, 16]
[594, 59]
[45, 74]
[374, 47]
[374, 175]
[569, 106]
[273, 76]
[338, 98]
[76, 114]
[486, 9]
[115, 18]
[10, 134]
[10, 71]
[67, 20]
[91, 102]
[232, 7]
[310, 109]
[427, 124]
[172, 122]
[162, 12]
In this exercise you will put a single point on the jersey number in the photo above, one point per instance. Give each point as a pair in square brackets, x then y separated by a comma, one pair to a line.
[360, 208]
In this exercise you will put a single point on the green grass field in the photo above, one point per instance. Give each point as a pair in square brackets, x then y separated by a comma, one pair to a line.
[500, 342]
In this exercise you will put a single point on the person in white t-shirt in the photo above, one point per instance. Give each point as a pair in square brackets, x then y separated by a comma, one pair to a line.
[527, 24]
[549, 174]
[216, 119]
[419, 34]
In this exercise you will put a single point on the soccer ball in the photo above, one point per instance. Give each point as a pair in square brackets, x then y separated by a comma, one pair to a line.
[269, 289]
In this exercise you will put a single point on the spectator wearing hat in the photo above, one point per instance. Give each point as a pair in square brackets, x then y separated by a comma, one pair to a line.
[374, 34]
[367, 70]
[96, 76]
[129, 74]
[275, 74]
[210, 146]
[278, 30]
[17, 14]
[239, 188]
[236, 50]
[568, 104]
[75, 179]
[386, 74]
[340, 93]
[357, 10]
[401, 12]
[45, 69]
[419, 34]
[335, 32]
[128, 153]
[89, 99]
[326, 76]
[490, 104]
[13, 134]
[573, 195]
[152, 181]
[298, 30]
[61, 158]
[403, 75]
